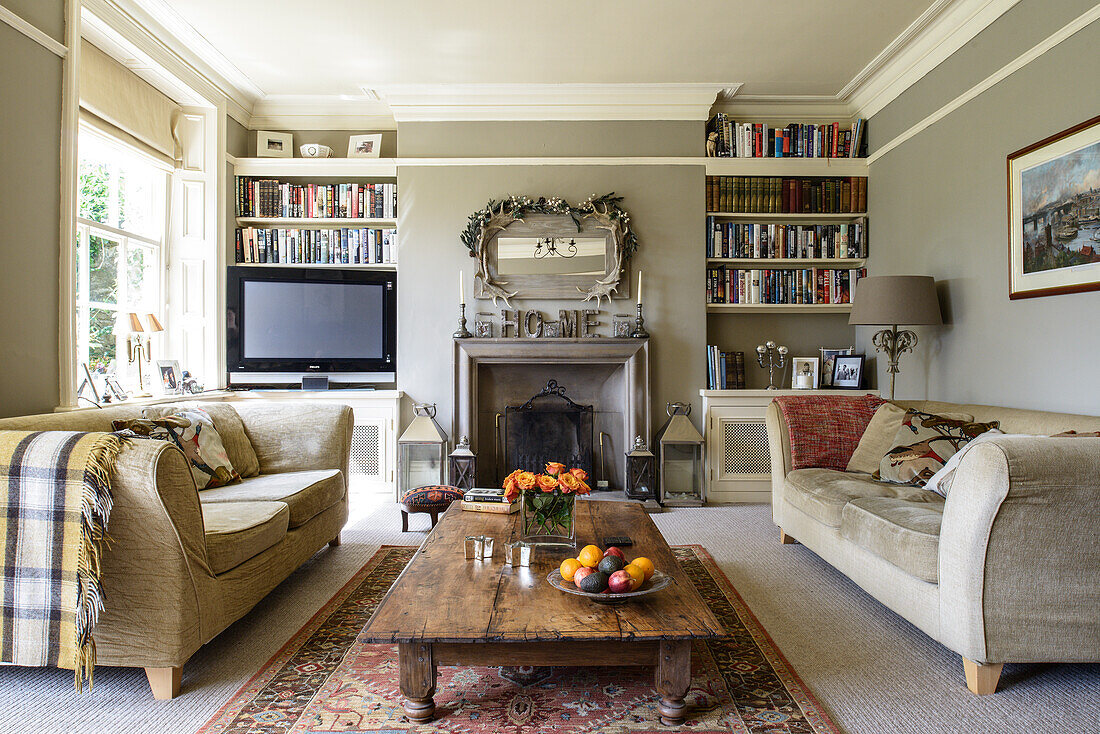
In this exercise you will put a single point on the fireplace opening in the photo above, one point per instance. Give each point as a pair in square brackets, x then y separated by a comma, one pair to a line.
[548, 427]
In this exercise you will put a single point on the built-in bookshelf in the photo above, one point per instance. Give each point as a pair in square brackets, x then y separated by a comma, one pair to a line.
[729, 138]
[317, 213]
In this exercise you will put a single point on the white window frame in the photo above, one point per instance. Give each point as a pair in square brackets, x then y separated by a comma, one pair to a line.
[86, 228]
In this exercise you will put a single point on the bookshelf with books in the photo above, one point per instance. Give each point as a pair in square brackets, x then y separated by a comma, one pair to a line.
[729, 138]
[326, 221]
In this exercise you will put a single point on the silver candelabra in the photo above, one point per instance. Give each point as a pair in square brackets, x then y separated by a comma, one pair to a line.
[769, 349]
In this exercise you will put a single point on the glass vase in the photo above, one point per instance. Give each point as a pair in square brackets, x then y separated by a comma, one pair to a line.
[549, 518]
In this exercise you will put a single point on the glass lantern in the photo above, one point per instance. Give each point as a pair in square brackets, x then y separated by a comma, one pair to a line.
[681, 455]
[641, 476]
[462, 467]
[421, 451]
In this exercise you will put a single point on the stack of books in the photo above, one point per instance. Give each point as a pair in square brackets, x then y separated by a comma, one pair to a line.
[488, 500]
[725, 370]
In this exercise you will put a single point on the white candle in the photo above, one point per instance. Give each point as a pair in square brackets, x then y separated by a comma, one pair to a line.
[461, 289]
[639, 286]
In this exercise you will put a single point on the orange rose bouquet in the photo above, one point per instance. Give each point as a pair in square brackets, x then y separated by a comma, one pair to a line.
[549, 500]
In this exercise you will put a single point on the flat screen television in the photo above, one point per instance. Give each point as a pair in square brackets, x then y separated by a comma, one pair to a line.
[284, 324]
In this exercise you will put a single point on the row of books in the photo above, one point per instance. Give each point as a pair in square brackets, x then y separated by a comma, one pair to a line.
[759, 240]
[725, 370]
[344, 246]
[262, 197]
[488, 500]
[728, 138]
[787, 286]
[775, 195]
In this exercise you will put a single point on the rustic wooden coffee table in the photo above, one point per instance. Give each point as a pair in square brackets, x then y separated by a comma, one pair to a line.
[445, 610]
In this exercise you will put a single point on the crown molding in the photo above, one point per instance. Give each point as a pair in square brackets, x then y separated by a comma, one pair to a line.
[159, 31]
[931, 39]
[321, 112]
[462, 102]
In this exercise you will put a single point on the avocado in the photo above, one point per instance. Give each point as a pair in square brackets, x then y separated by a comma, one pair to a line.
[594, 583]
[610, 564]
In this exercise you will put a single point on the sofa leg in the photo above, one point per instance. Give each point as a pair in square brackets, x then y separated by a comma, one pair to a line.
[785, 539]
[335, 541]
[982, 679]
[404, 521]
[165, 682]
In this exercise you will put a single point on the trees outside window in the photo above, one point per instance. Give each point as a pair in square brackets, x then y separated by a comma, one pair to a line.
[121, 226]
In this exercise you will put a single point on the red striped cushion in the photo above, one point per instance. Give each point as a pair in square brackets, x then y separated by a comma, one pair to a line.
[825, 429]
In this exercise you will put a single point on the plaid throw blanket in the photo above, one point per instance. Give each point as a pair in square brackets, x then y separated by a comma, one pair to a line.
[55, 498]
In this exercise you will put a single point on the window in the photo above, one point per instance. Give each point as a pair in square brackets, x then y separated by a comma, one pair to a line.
[120, 235]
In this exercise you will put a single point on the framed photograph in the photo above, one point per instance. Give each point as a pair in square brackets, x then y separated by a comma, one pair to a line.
[274, 145]
[805, 372]
[171, 381]
[365, 146]
[848, 371]
[1054, 214]
[113, 389]
[827, 358]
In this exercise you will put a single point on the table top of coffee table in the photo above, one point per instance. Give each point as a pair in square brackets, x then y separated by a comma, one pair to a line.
[442, 597]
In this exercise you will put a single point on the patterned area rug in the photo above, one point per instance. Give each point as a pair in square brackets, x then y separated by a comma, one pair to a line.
[325, 680]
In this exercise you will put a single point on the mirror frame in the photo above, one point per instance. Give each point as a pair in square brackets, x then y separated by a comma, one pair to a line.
[523, 216]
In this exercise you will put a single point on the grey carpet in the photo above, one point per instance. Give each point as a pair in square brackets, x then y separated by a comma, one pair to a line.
[872, 670]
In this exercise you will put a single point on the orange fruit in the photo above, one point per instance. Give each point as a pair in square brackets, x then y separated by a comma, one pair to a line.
[637, 573]
[590, 556]
[569, 567]
[645, 564]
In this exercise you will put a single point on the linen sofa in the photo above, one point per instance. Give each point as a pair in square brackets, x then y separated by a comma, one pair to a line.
[184, 564]
[1006, 569]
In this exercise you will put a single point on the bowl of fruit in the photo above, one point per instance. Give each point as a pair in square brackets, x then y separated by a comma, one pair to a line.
[607, 577]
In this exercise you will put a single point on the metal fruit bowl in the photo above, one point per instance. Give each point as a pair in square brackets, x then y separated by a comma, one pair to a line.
[655, 583]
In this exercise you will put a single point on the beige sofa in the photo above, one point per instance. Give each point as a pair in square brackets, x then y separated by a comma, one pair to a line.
[183, 564]
[1007, 569]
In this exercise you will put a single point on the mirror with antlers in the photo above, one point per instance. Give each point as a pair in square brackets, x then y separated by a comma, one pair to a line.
[549, 248]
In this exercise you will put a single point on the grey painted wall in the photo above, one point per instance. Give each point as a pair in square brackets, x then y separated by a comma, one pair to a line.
[665, 203]
[938, 207]
[30, 188]
[335, 139]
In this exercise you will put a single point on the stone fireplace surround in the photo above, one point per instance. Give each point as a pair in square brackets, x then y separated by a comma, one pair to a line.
[612, 375]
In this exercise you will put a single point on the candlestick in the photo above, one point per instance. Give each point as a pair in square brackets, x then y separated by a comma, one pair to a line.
[462, 332]
[639, 325]
[461, 289]
[639, 286]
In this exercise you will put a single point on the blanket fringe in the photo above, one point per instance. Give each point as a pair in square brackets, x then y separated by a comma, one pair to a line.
[96, 505]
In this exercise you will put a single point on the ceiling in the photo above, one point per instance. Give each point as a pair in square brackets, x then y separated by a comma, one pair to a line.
[487, 59]
[799, 47]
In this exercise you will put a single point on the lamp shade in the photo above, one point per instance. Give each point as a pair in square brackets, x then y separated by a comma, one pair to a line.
[154, 324]
[135, 322]
[889, 300]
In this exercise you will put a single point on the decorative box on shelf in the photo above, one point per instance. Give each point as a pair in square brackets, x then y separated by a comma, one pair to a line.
[738, 463]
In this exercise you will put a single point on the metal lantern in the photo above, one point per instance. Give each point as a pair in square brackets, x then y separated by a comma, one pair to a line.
[463, 466]
[681, 455]
[421, 451]
[641, 472]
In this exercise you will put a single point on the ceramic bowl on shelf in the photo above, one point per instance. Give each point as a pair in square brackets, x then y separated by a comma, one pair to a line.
[315, 150]
[655, 583]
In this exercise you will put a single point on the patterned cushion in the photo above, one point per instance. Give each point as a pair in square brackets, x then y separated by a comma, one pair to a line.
[924, 444]
[432, 497]
[193, 432]
[824, 429]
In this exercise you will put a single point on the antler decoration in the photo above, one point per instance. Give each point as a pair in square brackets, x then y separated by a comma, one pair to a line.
[606, 211]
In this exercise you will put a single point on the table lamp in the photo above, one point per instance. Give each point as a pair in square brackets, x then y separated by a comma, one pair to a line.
[893, 300]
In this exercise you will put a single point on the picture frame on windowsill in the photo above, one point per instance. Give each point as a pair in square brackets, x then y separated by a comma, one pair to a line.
[848, 372]
[171, 379]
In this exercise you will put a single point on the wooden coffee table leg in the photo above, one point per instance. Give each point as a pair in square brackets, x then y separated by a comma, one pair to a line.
[673, 680]
[417, 674]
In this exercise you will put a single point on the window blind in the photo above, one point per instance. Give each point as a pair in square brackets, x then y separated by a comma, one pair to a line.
[119, 102]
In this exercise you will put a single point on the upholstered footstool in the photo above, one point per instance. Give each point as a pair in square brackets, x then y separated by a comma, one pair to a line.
[432, 499]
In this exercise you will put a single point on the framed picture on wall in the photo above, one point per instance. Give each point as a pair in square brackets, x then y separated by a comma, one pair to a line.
[1054, 214]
